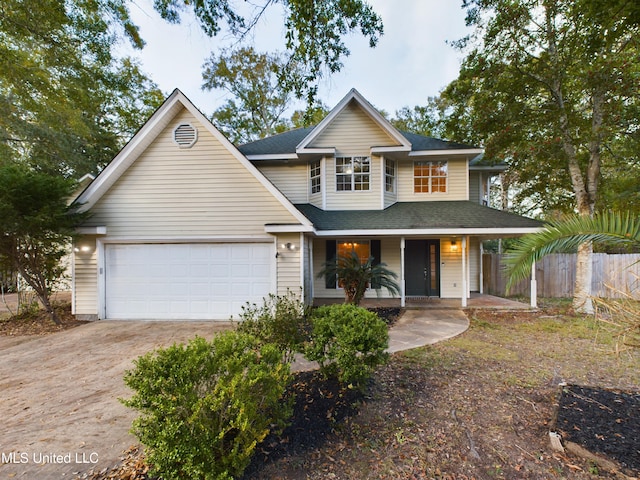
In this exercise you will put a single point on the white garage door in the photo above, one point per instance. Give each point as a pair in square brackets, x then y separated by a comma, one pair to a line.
[185, 281]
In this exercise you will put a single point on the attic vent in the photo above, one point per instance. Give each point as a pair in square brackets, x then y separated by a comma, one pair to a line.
[185, 135]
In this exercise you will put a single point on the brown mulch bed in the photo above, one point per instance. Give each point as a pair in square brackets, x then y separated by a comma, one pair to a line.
[38, 322]
[603, 421]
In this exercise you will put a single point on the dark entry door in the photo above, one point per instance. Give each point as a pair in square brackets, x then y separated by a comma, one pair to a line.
[422, 268]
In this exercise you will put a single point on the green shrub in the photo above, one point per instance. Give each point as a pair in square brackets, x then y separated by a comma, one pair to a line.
[282, 320]
[348, 342]
[205, 406]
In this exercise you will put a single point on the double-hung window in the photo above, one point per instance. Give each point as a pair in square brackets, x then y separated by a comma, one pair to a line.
[315, 172]
[430, 177]
[389, 176]
[352, 173]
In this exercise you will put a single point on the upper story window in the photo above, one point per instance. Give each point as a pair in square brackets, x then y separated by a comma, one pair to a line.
[315, 176]
[389, 176]
[430, 177]
[352, 173]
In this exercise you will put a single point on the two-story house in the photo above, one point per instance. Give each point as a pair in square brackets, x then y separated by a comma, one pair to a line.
[185, 225]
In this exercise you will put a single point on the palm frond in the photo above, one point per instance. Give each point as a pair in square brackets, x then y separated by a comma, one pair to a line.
[568, 233]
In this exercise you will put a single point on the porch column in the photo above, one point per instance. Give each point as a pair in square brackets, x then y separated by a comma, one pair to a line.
[464, 271]
[480, 268]
[534, 286]
[402, 290]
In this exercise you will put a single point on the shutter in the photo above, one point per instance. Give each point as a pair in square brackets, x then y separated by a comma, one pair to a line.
[330, 280]
[376, 249]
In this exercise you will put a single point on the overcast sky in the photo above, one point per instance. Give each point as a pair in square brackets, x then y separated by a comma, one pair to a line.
[411, 62]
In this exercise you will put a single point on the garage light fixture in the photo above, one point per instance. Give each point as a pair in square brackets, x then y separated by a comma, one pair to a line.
[288, 246]
[454, 246]
[82, 249]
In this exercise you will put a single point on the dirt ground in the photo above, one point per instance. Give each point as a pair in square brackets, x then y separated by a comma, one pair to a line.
[478, 406]
[81, 424]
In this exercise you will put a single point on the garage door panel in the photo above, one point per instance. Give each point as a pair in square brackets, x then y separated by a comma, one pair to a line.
[183, 281]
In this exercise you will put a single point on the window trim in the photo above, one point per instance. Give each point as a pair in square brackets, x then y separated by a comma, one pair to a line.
[352, 174]
[430, 177]
[315, 173]
[390, 178]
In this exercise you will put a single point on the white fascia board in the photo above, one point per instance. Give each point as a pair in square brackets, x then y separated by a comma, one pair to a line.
[492, 168]
[274, 156]
[100, 230]
[194, 239]
[401, 148]
[130, 152]
[288, 228]
[445, 153]
[429, 232]
[330, 151]
[368, 108]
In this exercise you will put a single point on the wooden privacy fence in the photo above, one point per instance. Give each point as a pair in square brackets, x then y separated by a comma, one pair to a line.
[556, 275]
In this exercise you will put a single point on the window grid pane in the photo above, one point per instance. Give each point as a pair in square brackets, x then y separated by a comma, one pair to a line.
[315, 177]
[352, 173]
[389, 176]
[430, 177]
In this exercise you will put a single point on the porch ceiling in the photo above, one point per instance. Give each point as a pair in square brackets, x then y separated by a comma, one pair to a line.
[454, 216]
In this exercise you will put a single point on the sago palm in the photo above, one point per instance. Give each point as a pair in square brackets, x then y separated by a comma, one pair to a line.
[355, 276]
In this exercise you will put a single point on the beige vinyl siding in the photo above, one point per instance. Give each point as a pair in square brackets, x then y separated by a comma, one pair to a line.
[353, 200]
[288, 264]
[307, 252]
[389, 252]
[451, 270]
[474, 264]
[203, 190]
[85, 296]
[475, 187]
[456, 181]
[353, 132]
[292, 180]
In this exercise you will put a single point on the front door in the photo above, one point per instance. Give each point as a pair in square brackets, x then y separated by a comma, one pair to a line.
[422, 268]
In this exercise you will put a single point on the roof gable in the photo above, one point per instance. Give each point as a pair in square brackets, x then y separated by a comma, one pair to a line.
[141, 141]
[353, 102]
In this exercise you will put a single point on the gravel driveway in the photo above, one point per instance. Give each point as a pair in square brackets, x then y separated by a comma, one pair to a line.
[59, 394]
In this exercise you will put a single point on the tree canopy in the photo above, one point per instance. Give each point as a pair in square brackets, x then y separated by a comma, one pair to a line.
[551, 87]
[260, 99]
[66, 102]
[314, 32]
[36, 227]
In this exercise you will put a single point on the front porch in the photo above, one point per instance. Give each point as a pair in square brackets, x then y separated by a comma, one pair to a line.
[477, 300]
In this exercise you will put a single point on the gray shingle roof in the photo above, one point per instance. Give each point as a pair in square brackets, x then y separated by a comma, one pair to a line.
[417, 215]
[420, 142]
[277, 144]
[285, 143]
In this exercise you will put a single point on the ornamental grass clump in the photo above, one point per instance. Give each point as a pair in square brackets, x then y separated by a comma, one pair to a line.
[348, 342]
[206, 405]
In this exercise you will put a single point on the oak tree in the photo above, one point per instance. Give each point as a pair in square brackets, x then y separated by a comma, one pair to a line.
[551, 87]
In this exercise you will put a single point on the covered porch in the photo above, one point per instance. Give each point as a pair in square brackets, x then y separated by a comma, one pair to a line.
[476, 300]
